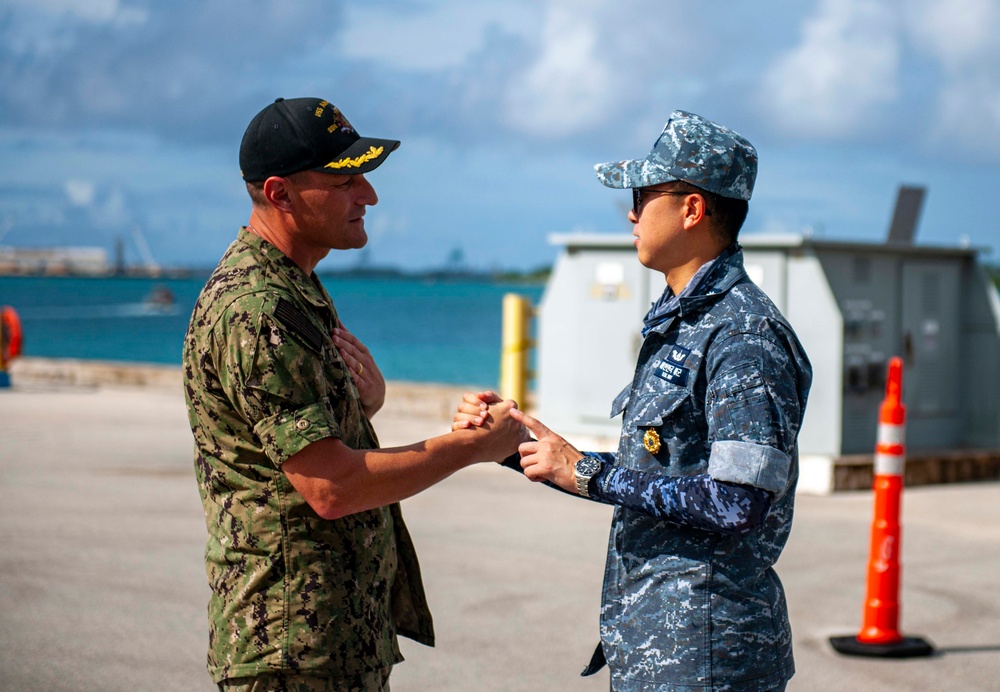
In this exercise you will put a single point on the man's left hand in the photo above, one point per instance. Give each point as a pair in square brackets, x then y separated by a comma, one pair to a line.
[366, 375]
[549, 457]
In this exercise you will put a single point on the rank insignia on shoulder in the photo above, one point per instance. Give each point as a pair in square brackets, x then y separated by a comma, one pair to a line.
[651, 441]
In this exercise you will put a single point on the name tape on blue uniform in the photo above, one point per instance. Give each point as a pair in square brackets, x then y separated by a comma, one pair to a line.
[674, 374]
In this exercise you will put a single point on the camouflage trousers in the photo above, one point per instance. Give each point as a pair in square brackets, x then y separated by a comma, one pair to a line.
[279, 682]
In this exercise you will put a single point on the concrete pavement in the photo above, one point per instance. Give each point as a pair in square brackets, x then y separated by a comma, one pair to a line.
[102, 584]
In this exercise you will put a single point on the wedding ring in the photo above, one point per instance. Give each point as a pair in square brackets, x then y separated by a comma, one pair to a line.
[361, 368]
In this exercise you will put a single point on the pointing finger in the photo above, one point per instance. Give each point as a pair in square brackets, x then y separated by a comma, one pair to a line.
[537, 428]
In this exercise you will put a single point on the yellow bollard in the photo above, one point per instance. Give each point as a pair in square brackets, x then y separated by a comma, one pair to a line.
[517, 345]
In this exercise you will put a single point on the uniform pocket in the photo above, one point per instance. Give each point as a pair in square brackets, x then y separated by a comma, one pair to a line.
[661, 427]
[665, 602]
[651, 410]
[741, 408]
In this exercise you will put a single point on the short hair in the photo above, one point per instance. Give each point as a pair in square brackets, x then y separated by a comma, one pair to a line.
[727, 214]
[256, 191]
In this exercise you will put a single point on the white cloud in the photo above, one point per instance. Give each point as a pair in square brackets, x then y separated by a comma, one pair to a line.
[431, 35]
[968, 116]
[113, 211]
[962, 36]
[94, 11]
[566, 90]
[844, 70]
[957, 32]
[80, 192]
[381, 225]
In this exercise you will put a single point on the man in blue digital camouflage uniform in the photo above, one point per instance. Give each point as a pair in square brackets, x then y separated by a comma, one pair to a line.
[704, 477]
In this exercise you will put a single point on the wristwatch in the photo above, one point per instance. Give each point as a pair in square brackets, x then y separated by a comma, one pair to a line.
[586, 468]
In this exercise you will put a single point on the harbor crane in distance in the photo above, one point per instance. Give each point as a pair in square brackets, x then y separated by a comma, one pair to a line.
[152, 267]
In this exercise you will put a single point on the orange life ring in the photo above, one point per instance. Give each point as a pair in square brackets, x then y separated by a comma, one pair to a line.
[12, 337]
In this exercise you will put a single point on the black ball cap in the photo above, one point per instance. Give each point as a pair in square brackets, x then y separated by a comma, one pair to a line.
[307, 134]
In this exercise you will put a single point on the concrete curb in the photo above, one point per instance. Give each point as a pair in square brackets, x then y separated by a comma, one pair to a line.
[424, 400]
[93, 373]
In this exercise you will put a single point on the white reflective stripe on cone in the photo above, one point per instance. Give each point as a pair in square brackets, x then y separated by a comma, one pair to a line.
[889, 464]
[889, 434]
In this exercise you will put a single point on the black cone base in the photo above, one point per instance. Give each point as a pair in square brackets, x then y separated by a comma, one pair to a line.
[910, 647]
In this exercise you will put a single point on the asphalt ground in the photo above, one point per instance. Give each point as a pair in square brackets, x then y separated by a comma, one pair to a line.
[102, 584]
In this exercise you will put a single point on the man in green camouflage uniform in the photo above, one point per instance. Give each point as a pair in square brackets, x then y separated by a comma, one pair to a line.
[312, 570]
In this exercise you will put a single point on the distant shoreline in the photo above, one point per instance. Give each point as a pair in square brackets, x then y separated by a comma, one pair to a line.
[535, 276]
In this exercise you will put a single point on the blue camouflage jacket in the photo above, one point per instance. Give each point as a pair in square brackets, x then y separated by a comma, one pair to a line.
[719, 389]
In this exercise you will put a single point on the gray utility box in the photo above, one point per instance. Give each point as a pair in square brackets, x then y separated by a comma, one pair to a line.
[853, 305]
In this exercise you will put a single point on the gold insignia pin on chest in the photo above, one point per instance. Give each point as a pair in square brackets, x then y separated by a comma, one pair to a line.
[651, 441]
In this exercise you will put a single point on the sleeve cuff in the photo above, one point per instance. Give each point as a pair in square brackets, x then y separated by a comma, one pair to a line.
[746, 463]
[513, 462]
[288, 432]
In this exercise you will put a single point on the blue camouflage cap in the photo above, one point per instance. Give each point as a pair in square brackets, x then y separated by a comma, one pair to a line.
[695, 150]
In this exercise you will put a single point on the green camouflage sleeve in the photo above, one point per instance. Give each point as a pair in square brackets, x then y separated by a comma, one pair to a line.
[274, 378]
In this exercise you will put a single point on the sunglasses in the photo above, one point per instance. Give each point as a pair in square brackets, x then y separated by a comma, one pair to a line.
[640, 193]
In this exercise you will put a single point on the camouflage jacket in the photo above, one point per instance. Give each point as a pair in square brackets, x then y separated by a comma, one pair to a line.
[291, 591]
[720, 389]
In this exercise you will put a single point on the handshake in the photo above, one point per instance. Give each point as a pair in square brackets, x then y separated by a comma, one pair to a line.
[503, 429]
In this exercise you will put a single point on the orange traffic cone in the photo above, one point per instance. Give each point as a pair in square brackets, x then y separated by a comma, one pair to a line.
[10, 341]
[880, 635]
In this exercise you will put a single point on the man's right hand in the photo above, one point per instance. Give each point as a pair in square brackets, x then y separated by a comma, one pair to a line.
[499, 434]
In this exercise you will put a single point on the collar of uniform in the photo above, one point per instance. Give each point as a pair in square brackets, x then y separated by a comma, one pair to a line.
[308, 286]
[723, 272]
[668, 304]
[726, 271]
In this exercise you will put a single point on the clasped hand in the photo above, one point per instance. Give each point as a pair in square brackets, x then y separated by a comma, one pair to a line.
[548, 457]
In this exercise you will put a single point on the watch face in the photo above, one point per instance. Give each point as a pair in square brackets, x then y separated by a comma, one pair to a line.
[588, 466]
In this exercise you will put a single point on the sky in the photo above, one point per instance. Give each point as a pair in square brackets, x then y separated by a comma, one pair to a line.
[122, 119]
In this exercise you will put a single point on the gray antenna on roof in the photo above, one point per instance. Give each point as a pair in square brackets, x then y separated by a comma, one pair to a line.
[906, 215]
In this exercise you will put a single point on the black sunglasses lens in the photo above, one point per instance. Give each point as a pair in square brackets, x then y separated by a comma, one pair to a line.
[636, 200]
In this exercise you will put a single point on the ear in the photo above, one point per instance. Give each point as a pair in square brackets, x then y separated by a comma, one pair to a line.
[277, 191]
[694, 210]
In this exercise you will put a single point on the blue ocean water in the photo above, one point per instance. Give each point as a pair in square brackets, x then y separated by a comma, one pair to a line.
[419, 330]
